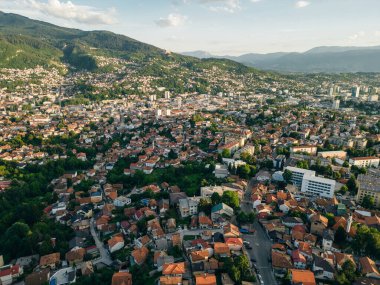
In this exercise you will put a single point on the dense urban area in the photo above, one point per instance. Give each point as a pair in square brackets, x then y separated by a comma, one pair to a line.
[167, 169]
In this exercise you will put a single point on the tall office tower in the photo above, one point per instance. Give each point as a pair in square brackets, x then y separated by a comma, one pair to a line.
[331, 91]
[356, 91]
[335, 104]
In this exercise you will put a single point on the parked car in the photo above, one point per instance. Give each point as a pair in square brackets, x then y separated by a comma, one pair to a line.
[260, 278]
[253, 259]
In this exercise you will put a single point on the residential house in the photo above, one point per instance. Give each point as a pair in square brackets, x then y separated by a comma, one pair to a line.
[341, 258]
[368, 267]
[205, 279]
[139, 255]
[115, 243]
[281, 263]
[87, 268]
[234, 244]
[304, 277]
[200, 255]
[122, 278]
[10, 273]
[221, 210]
[204, 222]
[318, 224]
[323, 269]
[122, 201]
[75, 256]
[50, 260]
[221, 249]
[174, 269]
[327, 239]
[231, 230]
[299, 260]
[163, 206]
[38, 278]
[188, 207]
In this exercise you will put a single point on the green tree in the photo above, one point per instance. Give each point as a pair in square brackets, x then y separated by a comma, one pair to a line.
[244, 171]
[231, 199]
[368, 202]
[352, 185]
[287, 175]
[215, 198]
[347, 275]
[205, 206]
[343, 189]
[3, 170]
[235, 274]
[340, 235]
[303, 164]
[226, 153]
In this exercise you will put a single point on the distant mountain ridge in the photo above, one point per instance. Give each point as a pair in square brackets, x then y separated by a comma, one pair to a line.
[329, 59]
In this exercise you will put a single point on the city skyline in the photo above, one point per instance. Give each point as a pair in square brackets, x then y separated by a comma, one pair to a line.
[220, 27]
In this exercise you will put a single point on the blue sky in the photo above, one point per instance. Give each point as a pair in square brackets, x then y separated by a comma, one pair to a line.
[218, 26]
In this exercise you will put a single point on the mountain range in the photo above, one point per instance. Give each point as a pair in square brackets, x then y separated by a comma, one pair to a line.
[26, 43]
[329, 59]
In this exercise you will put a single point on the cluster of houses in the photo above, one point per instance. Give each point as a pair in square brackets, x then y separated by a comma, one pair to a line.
[304, 238]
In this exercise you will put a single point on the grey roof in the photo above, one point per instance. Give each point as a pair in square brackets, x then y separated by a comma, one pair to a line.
[328, 234]
[323, 263]
[370, 181]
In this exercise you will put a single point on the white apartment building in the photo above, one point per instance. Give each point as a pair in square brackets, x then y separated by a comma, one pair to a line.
[318, 186]
[310, 184]
[298, 174]
[188, 206]
[310, 149]
[365, 161]
[333, 154]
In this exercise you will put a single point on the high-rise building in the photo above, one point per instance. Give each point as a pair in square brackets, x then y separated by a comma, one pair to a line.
[331, 91]
[335, 104]
[356, 91]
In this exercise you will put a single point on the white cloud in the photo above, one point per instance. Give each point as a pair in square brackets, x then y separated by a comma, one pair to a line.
[302, 4]
[230, 6]
[359, 35]
[67, 11]
[172, 20]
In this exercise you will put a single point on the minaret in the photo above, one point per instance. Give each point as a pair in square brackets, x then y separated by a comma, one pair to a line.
[349, 223]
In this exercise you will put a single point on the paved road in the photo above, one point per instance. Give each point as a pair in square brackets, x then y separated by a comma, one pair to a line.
[261, 245]
[261, 251]
[104, 254]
